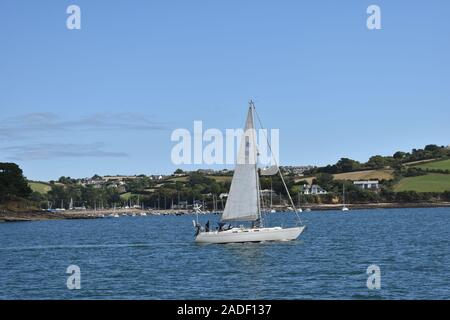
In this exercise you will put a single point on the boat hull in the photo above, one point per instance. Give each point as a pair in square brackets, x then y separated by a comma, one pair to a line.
[239, 235]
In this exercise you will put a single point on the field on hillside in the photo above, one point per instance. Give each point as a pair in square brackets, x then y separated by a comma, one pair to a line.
[442, 165]
[386, 174]
[216, 178]
[180, 179]
[39, 187]
[125, 196]
[432, 182]
[412, 163]
[221, 178]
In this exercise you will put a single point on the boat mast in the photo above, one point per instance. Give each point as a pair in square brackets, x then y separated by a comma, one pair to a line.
[343, 194]
[258, 185]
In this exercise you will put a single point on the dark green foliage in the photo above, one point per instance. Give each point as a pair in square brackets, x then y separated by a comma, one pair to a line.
[343, 165]
[414, 172]
[408, 196]
[377, 162]
[446, 196]
[66, 180]
[12, 182]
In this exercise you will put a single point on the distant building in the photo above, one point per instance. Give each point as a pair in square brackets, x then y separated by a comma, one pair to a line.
[118, 178]
[367, 184]
[296, 170]
[206, 171]
[179, 174]
[313, 189]
[157, 177]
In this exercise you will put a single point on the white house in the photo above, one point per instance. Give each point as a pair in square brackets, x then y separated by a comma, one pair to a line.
[367, 184]
[313, 189]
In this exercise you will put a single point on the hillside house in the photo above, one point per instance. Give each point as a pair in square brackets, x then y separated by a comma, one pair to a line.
[313, 189]
[367, 184]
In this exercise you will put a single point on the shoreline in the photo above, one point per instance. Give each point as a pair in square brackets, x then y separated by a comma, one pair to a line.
[98, 214]
[386, 205]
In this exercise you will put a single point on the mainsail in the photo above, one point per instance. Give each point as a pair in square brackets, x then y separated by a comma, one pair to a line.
[243, 198]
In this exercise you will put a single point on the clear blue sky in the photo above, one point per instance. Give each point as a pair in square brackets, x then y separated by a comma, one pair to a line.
[104, 99]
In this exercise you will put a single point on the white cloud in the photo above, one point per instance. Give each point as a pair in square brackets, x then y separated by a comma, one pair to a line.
[59, 150]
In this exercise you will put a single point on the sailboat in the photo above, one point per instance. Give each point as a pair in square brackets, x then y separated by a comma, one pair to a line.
[298, 202]
[344, 207]
[114, 214]
[61, 208]
[244, 201]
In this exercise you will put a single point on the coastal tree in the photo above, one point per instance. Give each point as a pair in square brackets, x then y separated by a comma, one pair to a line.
[12, 182]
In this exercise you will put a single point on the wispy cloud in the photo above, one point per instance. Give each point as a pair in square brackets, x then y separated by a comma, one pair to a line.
[59, 150]
[30, 124]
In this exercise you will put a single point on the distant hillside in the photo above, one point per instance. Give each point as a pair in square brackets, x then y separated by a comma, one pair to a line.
[435, 165]
[186, 178]
[432, 182]
[40, 187]
[380, 174]
[406, 177]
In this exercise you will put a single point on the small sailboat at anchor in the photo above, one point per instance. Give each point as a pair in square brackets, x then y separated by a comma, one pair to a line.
[244, 200]
[344, 207]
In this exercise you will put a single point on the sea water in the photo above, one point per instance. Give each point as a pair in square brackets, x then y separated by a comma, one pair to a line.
[155, 257]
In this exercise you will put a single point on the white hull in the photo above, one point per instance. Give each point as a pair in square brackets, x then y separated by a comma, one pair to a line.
[237, 235]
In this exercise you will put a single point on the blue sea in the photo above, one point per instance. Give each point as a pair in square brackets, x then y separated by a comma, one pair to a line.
[155, 257]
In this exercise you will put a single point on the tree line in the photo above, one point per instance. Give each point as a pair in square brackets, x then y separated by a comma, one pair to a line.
[396, 161]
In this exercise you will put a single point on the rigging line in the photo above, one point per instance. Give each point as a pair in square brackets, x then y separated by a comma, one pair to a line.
[264, 206]
[276, 163]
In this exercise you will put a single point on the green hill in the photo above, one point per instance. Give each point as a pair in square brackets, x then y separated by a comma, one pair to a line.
[40, 187]
[125, 196]
[432, 182]
[441, 165]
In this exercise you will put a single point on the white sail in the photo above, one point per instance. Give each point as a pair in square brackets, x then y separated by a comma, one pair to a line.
[243, 198]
